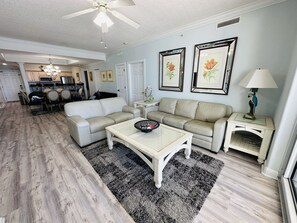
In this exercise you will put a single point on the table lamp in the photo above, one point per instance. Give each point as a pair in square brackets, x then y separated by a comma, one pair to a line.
[259, 78]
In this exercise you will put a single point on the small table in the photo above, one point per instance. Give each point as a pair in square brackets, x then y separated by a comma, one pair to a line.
[239, 137]
[145, 105]
[159, 145]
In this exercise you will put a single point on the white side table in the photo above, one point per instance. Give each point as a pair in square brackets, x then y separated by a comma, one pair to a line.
[144, 105]
[238, 135]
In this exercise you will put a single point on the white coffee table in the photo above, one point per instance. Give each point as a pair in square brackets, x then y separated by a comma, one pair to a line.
[160, 144]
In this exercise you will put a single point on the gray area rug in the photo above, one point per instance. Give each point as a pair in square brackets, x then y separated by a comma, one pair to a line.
[185, 185]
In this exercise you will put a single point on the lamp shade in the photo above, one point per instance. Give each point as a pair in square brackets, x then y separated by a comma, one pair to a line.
[259, 78]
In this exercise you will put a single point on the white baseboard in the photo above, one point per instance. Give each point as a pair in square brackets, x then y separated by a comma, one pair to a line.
[269, 172]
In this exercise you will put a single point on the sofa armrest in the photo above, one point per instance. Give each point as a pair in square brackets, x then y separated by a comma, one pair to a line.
[152, 108]
[218, 134]
[79, 129]
[134, 111]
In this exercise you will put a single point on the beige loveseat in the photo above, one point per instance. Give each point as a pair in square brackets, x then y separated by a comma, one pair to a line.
[207, 121]
[87, 119]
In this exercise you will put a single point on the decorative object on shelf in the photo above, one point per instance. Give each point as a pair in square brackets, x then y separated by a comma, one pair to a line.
[148, 94]
[259, 78]
[102, 18]
[212, 66]
[146, 125]
[51, 70]
[103, 75]
[171, 69]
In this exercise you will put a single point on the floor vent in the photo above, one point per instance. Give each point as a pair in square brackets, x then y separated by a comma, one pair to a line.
[228, 23]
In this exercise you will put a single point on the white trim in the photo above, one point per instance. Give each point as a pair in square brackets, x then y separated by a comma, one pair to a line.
[292, 162]
[35, 47]
[289, 202]
[269, 172]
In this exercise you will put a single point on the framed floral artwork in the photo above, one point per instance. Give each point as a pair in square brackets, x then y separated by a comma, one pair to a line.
[171, 69]
[109, 75]
[103, 75]
[212, 66]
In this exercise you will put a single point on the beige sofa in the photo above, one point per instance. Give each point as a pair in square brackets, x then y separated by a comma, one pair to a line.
[207, 121]
[87, 119]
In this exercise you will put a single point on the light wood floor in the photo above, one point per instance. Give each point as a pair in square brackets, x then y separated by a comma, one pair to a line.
[45, 178]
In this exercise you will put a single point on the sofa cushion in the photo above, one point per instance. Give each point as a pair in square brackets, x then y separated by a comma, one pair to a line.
[199, 127]
[84, 109]
[99, 123]
[120, 116]
[210, 112]
[112, 105]
[186, 108]
[158, 116]
[167, 105]
[176, 121]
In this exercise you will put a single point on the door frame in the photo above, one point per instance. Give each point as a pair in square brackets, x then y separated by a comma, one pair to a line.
[130, 77]
[85, 77]
[126, 78]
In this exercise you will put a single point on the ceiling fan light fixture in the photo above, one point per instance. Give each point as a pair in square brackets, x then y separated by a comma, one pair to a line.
[103, 20]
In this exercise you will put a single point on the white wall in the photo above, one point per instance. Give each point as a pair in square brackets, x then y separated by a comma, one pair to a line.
[99, 85]
[285, 120]
[265, 39]
[76, 70]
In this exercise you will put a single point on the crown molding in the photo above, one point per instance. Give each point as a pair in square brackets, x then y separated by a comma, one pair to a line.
[42, 48]
[210, 20]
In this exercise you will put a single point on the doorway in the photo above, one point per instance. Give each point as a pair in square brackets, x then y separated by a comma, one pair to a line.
[10, 82]
[121, 77]
[136, 71]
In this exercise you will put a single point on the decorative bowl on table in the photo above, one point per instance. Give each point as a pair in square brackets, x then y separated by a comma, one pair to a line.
[146, 125]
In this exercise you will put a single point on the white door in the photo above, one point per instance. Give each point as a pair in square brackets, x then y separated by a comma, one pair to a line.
[136, 81]
[121, 78]
[10, 84]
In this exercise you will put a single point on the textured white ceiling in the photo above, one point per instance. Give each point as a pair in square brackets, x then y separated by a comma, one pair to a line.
[41, 20]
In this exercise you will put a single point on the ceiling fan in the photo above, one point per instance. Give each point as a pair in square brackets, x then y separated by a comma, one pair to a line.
[104, 6]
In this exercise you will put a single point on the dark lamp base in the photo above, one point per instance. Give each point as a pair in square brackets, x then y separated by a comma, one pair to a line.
[249, 116]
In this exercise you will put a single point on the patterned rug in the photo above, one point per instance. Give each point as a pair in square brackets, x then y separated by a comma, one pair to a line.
[185, 185]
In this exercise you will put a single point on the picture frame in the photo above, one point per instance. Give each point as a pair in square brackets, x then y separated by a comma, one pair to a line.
[103, 75]
[91, 76]
[212, 66]
[171, 69]
[109, 75]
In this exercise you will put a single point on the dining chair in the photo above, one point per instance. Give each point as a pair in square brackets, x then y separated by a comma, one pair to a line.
[65, 97]
[78, 96]
[52, 99]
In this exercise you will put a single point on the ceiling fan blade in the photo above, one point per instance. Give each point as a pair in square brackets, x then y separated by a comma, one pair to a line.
[120, 3]
[124, 18]
[75, 14]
